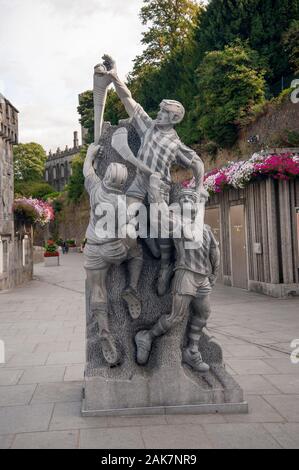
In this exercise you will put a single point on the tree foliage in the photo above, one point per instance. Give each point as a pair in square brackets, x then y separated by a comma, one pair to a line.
[29, 162]
[75, 187]
[85, 109]
[185, 43]
[229, 85]
[34, 189]
[170, 24]
[291, 44]
[261, 22]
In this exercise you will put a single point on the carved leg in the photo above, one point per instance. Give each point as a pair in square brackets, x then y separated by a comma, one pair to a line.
[130, 295]
[99, 309]
[166, 269]
[201, 313]
[144, 338]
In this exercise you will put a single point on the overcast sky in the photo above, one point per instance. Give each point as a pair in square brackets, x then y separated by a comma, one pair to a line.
[48, 50]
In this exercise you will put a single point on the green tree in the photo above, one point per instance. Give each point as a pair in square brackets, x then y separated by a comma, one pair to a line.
[291, 44]
[229, 84]
[114, 109]
[29, 162]
[170, 23]
[35, 189]
[85, 109]
[261, 22]
[75, 187]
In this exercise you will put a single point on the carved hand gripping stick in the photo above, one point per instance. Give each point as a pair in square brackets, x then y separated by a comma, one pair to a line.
[101, 81]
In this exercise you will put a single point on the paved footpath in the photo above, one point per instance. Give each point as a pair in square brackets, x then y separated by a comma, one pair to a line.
[42, 325]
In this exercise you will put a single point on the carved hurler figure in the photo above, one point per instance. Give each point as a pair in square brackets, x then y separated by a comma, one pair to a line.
[196, 271]
[160, 148]
[102, 252]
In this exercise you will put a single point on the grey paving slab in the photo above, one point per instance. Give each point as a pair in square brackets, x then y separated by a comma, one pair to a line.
[70, 357]
[43, 374]
[287, 435]
[6, 441]
[20, 348]
[58, 392]
[28, 418]
[195, 419]
[256, 384]
[10, 376]
[286, 405]
[250, 366]
[122, 438]
[126, 421]
[77, 346]
[283, 365]
[240, 436]
[47, 440]
[53, 346]
[28, 359]
[75, 372]
[245, 350]
[191, 436]
[16, 395]
[68, 416]
[285, 383]
[260, 411]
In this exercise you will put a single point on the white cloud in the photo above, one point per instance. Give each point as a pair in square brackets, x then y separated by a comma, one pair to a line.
[48, 50]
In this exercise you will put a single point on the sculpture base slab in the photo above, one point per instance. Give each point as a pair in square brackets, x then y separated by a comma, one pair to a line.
[174, 392]
[224, 408]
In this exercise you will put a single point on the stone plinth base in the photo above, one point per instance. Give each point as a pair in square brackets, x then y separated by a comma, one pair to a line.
[171, 392]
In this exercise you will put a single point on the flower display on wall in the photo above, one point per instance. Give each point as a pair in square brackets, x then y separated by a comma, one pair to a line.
[32, 211]
[238, 174]
[51, 249]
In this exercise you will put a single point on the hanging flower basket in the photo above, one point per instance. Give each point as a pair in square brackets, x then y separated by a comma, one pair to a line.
[29, 211]
[239, 174]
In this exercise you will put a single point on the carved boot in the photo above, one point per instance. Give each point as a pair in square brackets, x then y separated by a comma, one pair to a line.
[109, 348]
[131, 298]
[107, 341]
[194, 360]
[143, 341]
[164, 279]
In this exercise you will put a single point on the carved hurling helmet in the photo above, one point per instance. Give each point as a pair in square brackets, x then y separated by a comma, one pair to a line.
[116, 176]
[193, 194]
[174, 107]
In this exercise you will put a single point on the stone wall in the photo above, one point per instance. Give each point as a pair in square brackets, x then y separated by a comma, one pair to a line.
[16, 259]
[270, 129]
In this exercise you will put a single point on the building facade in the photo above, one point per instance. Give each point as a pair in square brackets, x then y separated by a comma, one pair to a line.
[15, 253]
[258, 231]
[58, 167]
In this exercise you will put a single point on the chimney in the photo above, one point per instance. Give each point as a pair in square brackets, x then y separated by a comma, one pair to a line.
[76, 141]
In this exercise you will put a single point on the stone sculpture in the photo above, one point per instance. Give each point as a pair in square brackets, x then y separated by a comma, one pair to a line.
[160, 148]
[128, 370]
[195, 274]
[101, 253]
